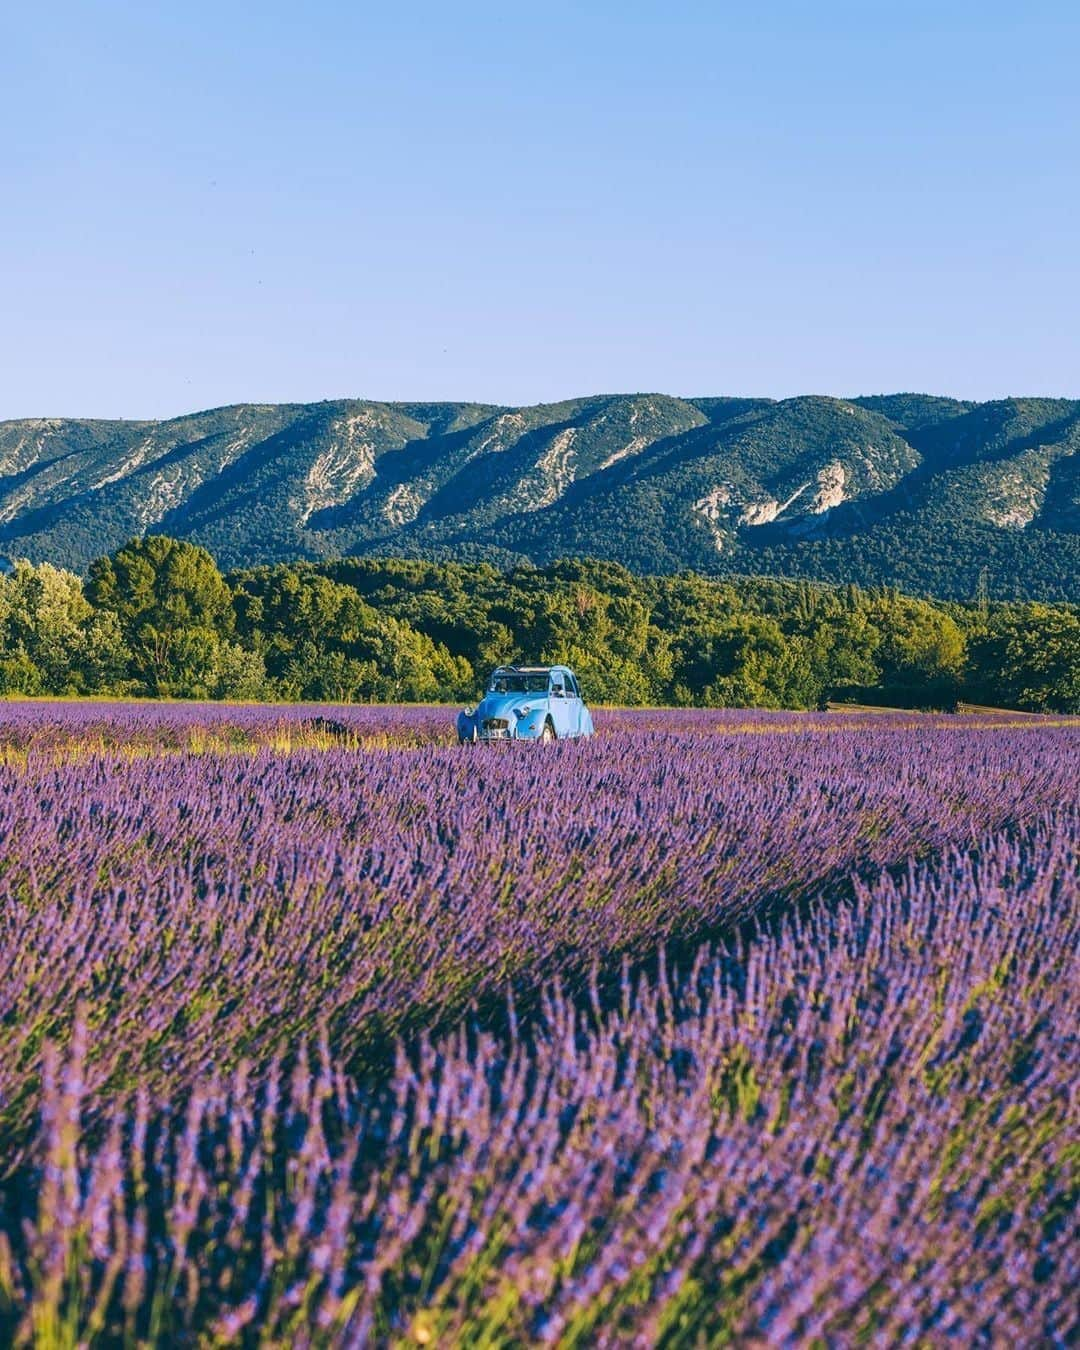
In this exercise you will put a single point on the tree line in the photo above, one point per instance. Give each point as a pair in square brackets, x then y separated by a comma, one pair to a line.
[158, 618]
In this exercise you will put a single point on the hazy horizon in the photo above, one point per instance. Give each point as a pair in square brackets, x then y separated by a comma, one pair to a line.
[548, 402]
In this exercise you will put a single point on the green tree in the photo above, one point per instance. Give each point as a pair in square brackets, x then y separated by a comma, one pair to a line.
[19, 675]
[610, 678]
[239, 673]
[409, 665]
[300, 619]
[840, 649]
[172, 606]
[1030, 659]
[919, 642]
[742, 662]
[46, 622]
[327, 676]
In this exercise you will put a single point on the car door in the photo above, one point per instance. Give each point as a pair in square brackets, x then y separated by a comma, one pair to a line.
[573, 706]
[559, 705]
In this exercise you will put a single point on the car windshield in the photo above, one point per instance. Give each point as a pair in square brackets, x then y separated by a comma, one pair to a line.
[518, 684]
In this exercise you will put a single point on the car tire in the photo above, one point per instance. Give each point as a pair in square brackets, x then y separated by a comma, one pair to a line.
[548, 734]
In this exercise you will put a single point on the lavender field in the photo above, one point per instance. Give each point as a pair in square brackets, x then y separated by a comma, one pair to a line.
[723, 1028]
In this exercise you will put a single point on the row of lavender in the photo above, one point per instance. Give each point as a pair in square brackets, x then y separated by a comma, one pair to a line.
[854, 1129]
[183, 926]
[207, 907]
[46, 727]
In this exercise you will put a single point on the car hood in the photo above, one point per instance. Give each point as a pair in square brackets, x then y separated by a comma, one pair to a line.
[507, 705]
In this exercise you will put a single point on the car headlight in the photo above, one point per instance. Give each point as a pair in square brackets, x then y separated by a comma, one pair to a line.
[523, 712]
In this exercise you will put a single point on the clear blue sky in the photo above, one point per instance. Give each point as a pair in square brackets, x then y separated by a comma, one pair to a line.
[209, 203]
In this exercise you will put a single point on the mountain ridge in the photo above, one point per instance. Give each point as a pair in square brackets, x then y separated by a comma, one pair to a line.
[934, 494]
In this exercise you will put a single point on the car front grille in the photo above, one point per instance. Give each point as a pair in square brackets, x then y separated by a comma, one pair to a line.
[495, 724]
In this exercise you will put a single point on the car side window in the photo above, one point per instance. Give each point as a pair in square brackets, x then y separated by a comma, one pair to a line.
[571, 687]
[557, 686]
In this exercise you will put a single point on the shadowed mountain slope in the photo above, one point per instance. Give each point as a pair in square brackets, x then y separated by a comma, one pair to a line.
[933, 494]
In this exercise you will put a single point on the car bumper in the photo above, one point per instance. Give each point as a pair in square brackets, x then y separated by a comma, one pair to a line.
[469, 730]
[518, 733]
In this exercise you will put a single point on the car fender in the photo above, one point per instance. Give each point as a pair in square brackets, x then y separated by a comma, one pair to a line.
[531, 727]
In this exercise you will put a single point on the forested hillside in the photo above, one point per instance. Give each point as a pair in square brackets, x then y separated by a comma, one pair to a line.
[936, 496]
[158, 618]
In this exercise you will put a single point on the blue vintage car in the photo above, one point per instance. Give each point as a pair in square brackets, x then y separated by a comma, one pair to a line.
[527, 703]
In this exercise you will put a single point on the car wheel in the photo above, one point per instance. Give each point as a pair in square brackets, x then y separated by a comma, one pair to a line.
[548, 733]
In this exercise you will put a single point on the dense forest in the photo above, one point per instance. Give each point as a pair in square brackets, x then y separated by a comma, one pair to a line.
[158, 618]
